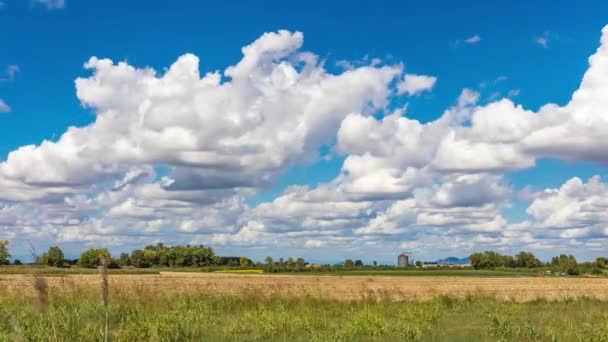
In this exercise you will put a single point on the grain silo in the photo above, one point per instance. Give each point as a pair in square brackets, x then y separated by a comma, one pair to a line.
[403, 260]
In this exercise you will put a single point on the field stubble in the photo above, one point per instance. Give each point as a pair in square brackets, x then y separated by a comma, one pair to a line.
[518, 289]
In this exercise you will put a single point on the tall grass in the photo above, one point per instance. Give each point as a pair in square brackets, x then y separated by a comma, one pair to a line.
[78, 312]
[105, 295]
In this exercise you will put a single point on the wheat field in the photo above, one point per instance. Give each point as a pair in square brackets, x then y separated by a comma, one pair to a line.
[520, 289]
[251, 307]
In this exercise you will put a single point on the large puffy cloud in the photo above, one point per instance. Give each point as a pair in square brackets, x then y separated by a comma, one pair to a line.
[176, 154]
[177, 151]
[443, 178]
[277, 108]
[576, 209]
[505, 136]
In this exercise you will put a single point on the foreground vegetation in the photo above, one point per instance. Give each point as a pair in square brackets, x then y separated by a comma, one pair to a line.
[79, 314]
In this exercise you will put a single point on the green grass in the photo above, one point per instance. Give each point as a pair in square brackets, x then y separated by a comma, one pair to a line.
[57, 272]
[376, 272]
[156, 316]
[54, 271]
[428, 273]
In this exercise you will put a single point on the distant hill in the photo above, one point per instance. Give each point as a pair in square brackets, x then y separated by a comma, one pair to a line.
[454, 260]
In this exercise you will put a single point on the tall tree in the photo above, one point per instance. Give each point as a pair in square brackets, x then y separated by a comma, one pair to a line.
[566, 264]
[124, 260]
[269, 260]
[138, 260]
[526, 259]
[54, 256]
[4, 254]
[94, 257]
[244, 261]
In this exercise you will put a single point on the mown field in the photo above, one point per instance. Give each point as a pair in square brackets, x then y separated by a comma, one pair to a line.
[177, 306]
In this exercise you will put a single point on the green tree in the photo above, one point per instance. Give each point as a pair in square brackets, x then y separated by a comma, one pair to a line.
[490, 259]
[4, 254]
[349, 263]
[54, 256]
[291, 264]
[124, 259]
[601, 262]
[43, 260]
[566, 263]
[163, 259]
[526, 259]
[300, 263]
[375, 263]
[475, 260]
[245, 262]
[138, 259]
[269, 261]
[151, 257]
[507, 261]
[94, 257]
[358, 263]
[418, 263]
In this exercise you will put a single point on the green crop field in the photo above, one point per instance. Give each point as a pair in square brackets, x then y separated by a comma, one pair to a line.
[429, 273]
[80, 316]
[55, 271]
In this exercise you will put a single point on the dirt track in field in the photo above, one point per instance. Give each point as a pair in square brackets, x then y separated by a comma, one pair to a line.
[334, 287]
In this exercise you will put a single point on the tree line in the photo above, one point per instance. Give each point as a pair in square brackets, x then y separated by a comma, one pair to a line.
[560, 264]
[161, 255]
[490, 259]
[158, 255]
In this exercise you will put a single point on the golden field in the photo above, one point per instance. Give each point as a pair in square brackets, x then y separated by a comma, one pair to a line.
[185, 306]
[519, 289]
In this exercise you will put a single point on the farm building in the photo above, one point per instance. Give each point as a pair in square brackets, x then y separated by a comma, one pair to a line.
[403, 260]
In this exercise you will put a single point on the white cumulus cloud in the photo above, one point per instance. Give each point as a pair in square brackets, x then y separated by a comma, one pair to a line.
[414, 84]
[174, 155]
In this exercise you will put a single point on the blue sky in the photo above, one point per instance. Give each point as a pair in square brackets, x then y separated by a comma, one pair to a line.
[534, 52]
